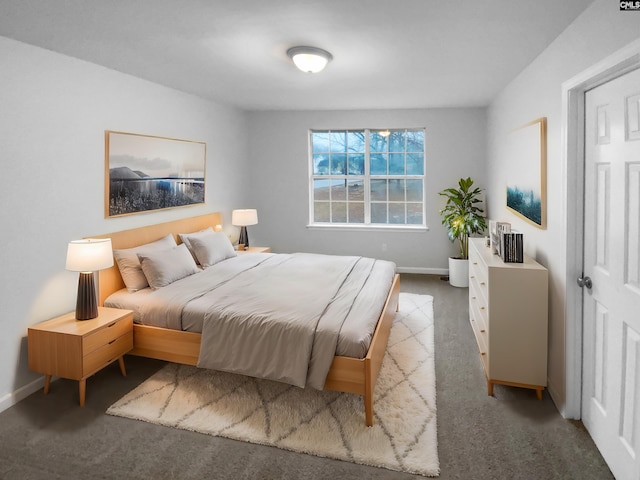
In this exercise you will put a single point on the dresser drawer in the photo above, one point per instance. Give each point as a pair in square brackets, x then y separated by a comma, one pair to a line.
[478, 312]
[107, 334]
[101, 357]
[482, 339]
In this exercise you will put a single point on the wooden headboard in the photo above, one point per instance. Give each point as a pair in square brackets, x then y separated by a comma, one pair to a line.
[110, 279]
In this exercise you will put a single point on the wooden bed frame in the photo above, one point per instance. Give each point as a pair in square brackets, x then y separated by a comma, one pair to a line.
[350, 375]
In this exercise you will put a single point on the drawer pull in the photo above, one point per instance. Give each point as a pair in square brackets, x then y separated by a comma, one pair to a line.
[483, 353]
[481, 308]
[482, 331]
[475, 263]
[473, 298]
[112, 341]
[482, 283]
[472, 276]
[109, 326]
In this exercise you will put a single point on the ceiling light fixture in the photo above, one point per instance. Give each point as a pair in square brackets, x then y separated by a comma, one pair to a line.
[309, 59]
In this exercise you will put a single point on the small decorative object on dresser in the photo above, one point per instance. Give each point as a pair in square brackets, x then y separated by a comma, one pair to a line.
[76, 350]
[508, 311]
[88, 256]
[241, 218]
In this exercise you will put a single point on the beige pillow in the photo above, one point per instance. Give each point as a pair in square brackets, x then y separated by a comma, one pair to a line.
[129, 264]
[212, 248]
[186, 239]
[166, 266]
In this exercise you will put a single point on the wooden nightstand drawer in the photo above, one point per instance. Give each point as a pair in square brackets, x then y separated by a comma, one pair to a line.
[106, 334]
[108, 353]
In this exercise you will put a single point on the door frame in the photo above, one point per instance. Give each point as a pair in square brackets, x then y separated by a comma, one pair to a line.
[573, 116]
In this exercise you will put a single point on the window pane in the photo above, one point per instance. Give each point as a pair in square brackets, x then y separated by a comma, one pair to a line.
[415, 163]
[378, 143]
[356, 164]
[356, 212]
[379, 213]
[321, 190]
[396, 190]
[415, 141]
[396, 164]
[396, 213]
[379, 190]
[320, 164]
[414, 213]
[356, 190]
[320, 141]
[339, 142]
[321, 211]
[338, 164]
[339, 212]
[355, 141]
[396, 141]
[414, 190]
[338, 190]
[378, 164]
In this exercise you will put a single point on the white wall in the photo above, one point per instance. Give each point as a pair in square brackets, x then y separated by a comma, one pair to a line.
[278, 149]
[536, 92]
[53, 113]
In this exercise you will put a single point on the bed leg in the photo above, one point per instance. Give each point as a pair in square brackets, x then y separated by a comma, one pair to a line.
[368, 410]
[368, 394]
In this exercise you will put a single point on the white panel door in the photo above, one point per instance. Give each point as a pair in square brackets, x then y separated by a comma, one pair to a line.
[611, 348]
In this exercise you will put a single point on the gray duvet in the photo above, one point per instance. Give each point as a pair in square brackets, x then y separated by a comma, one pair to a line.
[278, 317]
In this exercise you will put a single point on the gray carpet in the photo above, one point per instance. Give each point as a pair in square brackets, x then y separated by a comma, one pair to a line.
[509, 436]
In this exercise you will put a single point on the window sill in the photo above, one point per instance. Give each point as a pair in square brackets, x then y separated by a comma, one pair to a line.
[370, 228]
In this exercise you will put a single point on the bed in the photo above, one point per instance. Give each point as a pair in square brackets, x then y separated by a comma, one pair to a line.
[345, 373]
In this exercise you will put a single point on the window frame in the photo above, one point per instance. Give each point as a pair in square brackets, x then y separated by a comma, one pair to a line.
[366, 181]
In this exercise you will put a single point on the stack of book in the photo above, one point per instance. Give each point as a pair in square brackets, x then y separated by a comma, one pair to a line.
[496, 229]
[511, 247]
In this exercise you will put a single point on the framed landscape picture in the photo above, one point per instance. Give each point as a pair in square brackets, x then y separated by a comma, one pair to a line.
[527, 173]
[145, 173]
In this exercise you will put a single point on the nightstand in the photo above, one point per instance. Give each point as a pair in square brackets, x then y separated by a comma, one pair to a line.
[255, 250]
[76, 349]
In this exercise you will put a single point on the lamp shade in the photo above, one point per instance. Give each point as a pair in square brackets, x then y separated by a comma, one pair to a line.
[89, 255]
[244, 217]
[309, 59]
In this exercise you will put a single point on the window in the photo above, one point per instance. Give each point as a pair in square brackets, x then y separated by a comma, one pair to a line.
[367, 177]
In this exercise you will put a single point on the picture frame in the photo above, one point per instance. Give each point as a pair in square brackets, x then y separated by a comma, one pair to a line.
[526, 195]
[146, 173]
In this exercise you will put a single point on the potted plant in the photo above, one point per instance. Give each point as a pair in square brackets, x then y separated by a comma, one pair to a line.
[462, 218]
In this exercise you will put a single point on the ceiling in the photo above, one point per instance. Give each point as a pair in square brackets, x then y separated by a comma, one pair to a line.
[387, 54]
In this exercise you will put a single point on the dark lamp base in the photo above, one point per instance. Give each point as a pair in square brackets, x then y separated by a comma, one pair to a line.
[86, 305]
[244, 237]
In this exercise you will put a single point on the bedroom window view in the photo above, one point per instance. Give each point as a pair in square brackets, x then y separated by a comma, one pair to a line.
[367, 177]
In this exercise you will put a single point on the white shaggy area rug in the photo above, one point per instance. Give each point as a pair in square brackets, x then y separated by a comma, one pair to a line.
[322, 423]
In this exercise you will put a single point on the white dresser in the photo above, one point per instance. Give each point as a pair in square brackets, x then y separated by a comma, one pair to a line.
[508, 311]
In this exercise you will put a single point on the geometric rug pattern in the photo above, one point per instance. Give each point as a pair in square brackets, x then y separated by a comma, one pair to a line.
[322, 423]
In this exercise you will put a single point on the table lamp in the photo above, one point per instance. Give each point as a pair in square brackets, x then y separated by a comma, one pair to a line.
[241, 218]
[88, 256]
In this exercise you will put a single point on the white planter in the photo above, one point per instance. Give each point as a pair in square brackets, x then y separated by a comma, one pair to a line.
[458, 272]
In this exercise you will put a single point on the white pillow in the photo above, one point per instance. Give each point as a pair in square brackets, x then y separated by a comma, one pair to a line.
[129, 264]
[186, 239]
[212, 248]
[166, 266]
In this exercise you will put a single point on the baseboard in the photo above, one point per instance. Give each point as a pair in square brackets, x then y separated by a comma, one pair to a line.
[10, 399]
[423, 270]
